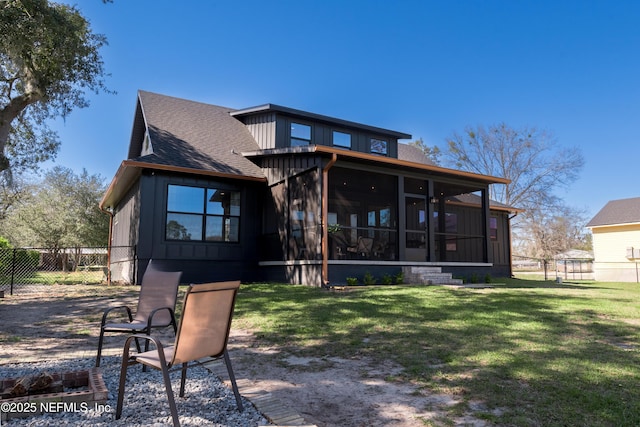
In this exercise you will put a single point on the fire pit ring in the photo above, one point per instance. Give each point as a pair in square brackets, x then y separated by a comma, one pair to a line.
[93, 395]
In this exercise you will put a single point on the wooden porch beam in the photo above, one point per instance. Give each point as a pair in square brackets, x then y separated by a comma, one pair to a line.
[325, 214]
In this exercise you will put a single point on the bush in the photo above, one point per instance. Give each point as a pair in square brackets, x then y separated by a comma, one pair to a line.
[351, 281]
[27, 260]
[6, 254]
[20, 260]
[4, 243]
[387, 279]
[400, 278]
[368, 279]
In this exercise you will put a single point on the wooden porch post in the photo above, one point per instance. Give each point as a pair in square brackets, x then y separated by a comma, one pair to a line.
[485, 220]
[325, 214]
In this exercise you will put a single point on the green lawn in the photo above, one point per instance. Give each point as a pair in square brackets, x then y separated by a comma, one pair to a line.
[534, 352]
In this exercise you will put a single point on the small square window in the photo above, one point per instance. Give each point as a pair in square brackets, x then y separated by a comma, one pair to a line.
[379, 146]
[493, 228]
[341, 139]
[300, 134]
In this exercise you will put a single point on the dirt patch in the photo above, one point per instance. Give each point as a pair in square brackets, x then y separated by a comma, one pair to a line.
[332, 391]
[63, 321]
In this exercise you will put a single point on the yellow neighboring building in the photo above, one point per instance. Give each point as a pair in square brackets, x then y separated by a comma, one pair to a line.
[616, 241]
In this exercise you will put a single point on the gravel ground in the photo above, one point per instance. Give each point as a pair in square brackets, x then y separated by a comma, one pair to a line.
[207, 401]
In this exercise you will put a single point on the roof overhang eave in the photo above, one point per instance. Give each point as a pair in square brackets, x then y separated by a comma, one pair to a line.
[130, 170]
[121, 183]
[492, 207]
[622, 224]
[354, 155]
[318, 118]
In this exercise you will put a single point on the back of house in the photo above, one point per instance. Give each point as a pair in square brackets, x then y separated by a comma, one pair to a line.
[271, 193]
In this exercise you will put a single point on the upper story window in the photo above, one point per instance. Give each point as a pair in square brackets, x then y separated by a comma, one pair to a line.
[300, 134]
[202, 214]
[379, 146]
[341, 139]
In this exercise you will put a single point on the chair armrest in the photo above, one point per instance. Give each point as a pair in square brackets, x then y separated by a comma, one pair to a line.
[153, 313]
[109, 310]
[156, 342]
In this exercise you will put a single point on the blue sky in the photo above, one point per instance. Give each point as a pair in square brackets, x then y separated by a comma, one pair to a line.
[427, 68]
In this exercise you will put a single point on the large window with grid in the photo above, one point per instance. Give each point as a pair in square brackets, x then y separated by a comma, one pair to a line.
[202, 214]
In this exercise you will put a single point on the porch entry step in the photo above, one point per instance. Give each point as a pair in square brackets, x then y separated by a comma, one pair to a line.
[429, 276]
[421, 270]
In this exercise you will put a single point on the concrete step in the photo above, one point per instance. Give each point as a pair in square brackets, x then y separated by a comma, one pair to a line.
[429, 276]
[415, 269]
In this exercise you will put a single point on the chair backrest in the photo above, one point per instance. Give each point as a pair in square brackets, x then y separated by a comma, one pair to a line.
[365, 244]
[158, 289]
[205, 322]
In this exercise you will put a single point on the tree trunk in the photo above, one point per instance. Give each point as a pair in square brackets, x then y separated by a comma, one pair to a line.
[7, 115]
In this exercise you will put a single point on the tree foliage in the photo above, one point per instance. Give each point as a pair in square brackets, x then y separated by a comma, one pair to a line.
[537, 167]
[49, 57]
[548, 230]
[528, 157]
[12, 189]
[60, 212]
[432, 153]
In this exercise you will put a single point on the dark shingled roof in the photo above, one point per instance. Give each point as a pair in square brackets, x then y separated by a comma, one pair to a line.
[623, 211]
[411, 153]
[194, 135]
[476, 200]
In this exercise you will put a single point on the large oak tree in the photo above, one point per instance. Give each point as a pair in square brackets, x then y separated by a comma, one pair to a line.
[49, 57]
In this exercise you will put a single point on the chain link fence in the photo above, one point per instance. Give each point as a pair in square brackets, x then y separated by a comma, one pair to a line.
[25, 269]
[565, 268]
[618, 271]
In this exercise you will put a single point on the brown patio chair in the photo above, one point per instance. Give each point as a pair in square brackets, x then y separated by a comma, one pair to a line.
[363, 247]
[203, 332]
[156, 305]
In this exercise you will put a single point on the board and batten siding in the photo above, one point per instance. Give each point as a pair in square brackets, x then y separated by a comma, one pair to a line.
[271, 130]
[276, 169]
[263, 129]
[501, 247]
[200, 261]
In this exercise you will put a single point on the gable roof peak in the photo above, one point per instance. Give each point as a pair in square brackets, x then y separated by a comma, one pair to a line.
[191, 134]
